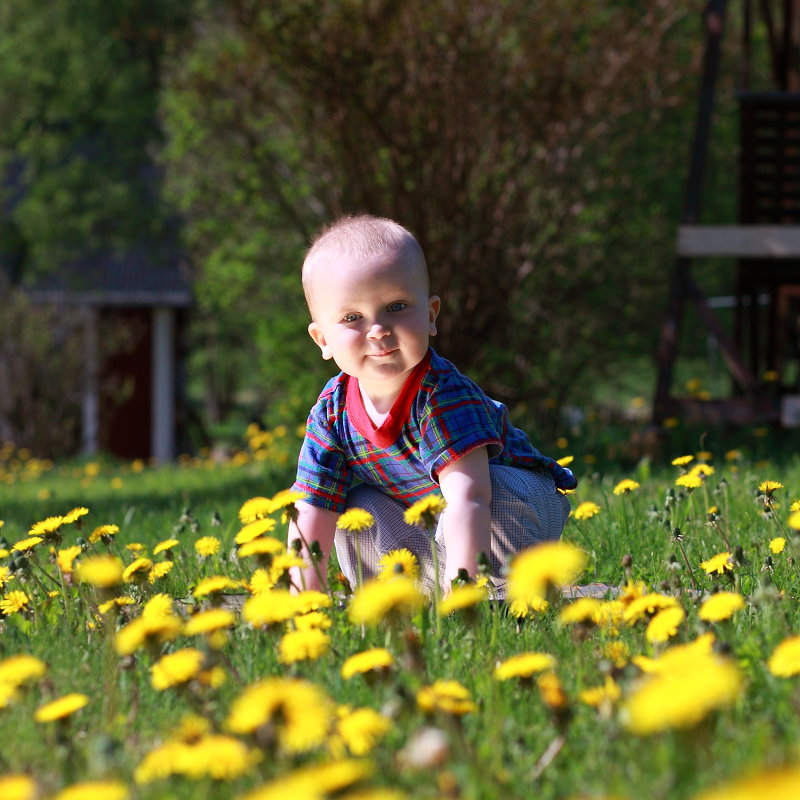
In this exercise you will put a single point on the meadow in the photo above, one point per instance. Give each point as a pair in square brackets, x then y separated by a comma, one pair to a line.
[150, 648]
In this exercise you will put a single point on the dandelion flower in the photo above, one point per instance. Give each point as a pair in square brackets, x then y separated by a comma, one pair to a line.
[165, 546]
[19, 669]
[721, 606]
[376, 600]
[777, 544]
[300, 712]
[26, 545]
[60, 709]
[94, 790]
[303, 645]
[425, 512]
[552, 691]
[270, 608]
[447, 696]
[586, 510]
[523, 606]
[73, 515]
[159, 605]
[311, 600]
[647, 606]
[702, 470]
[601, 696]
[795, 506]
[781, 783]
[204, 622]
[254, 530]
[47, 528]
[794, 521]
[18, 787]
[254, 509]
[583, 609]
[261, 546]
[66, 557]
[398, 562]
[545, 565]
[625, 486]
[664, 625]
[102, 572]
[137, 570]
[143, 630]
[683, 694]
[768, 487]
[176, 668]
[13, 602]
[682, 461]
[361, 729]
[719, 564]
[689, 481]
[462, 597]
[104, 532]
[160, 570]
[115, 602]
[376, 660]
[316, 782]
[785, 659]
[524, 665]
[207, 546]
[215, 584]
[355, 520]
[281, 563]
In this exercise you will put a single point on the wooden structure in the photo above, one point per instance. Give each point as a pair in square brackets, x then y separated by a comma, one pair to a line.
[133, 402]
[766, 242]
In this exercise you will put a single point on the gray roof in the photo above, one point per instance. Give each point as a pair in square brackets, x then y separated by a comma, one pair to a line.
[138, 276]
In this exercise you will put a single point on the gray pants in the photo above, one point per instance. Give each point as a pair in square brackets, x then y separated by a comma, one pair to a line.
[526, 510]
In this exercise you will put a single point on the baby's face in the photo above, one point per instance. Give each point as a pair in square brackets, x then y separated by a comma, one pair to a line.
[373, 316]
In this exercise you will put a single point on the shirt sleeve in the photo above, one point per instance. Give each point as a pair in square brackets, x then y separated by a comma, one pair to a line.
[323, 474]
[455, 421]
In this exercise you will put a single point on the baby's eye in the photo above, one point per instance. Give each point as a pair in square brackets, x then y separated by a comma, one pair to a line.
[395, 306]
[349, 317]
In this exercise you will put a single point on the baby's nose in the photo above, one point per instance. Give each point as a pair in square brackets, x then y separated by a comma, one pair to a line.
[378, 331]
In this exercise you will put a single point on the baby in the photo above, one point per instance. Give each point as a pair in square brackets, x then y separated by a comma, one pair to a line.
[400, 423]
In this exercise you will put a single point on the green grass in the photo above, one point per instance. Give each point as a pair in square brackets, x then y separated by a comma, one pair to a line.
[496, 751]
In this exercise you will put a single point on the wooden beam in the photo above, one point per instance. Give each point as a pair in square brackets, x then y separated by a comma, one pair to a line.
[739, 241]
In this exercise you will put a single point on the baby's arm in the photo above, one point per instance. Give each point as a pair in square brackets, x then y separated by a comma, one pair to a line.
[467, 488]
[318, 524]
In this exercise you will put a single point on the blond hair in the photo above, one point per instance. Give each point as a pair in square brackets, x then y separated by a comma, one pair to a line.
[360, 236]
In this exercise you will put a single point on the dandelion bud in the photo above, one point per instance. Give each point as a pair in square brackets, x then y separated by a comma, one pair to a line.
[627, 561]
[315, 551]
[297, 545]
[484, 565]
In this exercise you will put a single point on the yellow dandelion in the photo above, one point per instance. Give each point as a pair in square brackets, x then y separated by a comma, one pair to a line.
[795, 506]
[678, 657]
[462, 597]
[317, 782]
[780, 783]
[377, 660]
[300, 712]
[159, 605]
[115, 602]
[664, 625]
[66, 557]
[426, 511]
[303, 645]
[204, 622]
[601, 697]
[552, 691]
[144, 630]
[166, 546]
[682, 461]
[255, 508]
[19, 669]
[47, 527]
[617, 653]
[207, 546]
[102, 572]
[255, 529]
[26, 545]
[625, 486]
[551, 564]
[524, 665]
[361, 729]
[689, 481]
[702, 470]
[214, 584]
[159, 570]
[647, 606]
[718, 564]
[94, 790]
[777, 544]
[734, 455]
[137, 570]
[60, 709]
[311, 600]
[73, 515]
[586, 510]
[355, 520]
[104, 532]
[584, 609]
[446, 696]
[13, 602]
[794, 521]
[632, 590]
[176, 668]
[682, 696]
[269, 608]
[261, 546]
[282, 563]
[260, 581]
[18, 787]
[376, 600]
[721, 606]
[522, 607]
[768, 487]
[313, 619]
[398, 562]
[785, 659]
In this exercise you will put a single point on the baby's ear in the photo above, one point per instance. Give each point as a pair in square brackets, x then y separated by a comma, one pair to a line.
[434, 304]
[315, 332]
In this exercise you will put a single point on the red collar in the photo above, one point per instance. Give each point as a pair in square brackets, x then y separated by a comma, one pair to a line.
[386, 435]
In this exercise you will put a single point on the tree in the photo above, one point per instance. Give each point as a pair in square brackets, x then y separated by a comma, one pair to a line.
[507, 136]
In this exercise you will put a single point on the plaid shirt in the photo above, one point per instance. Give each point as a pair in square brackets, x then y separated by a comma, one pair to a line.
[449, 416]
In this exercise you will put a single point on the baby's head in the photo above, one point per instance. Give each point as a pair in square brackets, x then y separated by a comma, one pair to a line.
[360, 237]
